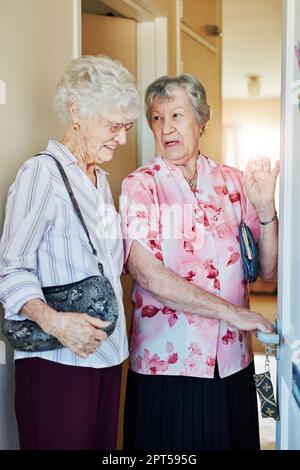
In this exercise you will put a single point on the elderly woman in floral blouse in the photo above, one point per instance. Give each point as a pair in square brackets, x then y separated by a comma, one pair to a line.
[190, 383]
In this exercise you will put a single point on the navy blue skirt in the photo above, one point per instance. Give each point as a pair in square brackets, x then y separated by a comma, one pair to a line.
[188, 413]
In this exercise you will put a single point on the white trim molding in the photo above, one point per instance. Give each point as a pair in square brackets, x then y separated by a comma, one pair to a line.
[77, 42]
[197, 37]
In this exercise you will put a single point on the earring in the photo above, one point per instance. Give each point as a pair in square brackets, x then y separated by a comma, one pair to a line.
[76, 126]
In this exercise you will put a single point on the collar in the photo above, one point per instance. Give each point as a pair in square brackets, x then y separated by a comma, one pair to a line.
[64, 155]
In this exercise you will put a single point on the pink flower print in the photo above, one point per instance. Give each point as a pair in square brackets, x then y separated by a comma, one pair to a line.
[169, 347]
[244, 361]
[221, 190]
[141, 214]
[238, 238]
[153, 235]
[235, 196]
[167, 311]
[138, 300]
[173, 358]
[216, 284]
[195, 350]
[229, 337]
[188, 246]
[246, 291]
[139, 361]
[210, 362]
[172, 315]
[233, 258]
[149, 311]
[156, 167]
[149, 172]
[205, 220]
[154, 245]
[154, 364]
[241, 336]
[212, 271]
[230, 248]
[172, 319]
[159, 256]
[190, 275]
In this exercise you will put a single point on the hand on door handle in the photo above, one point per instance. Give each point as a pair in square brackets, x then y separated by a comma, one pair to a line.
[269, 338]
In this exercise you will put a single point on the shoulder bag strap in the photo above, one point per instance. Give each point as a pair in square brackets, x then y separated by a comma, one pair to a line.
[75, 205]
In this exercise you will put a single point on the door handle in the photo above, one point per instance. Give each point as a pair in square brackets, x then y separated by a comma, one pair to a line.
[270, 338]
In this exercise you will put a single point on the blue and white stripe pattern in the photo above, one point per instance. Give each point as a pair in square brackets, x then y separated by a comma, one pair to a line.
[43, 244]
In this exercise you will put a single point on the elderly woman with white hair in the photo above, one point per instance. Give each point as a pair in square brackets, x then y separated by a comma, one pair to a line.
[190, 383]
[68, 397]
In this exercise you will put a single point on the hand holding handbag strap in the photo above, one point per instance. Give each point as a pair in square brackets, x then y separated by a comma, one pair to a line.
[75, 205]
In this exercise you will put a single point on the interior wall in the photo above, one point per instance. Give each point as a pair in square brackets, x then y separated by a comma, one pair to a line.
[236, 111]
[36, 44]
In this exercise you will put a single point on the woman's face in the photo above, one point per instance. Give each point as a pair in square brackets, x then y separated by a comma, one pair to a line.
[175, 127]
[99, 137]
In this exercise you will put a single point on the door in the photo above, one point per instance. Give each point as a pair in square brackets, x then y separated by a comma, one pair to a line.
[201, 54]
[288, 428]
[116, 38]
[38, 39]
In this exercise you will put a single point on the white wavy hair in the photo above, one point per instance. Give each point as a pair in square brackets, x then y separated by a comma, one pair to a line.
[164, 87]
[97, 84]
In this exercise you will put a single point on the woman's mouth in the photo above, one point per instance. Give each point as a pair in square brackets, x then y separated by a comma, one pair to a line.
[112, 148]
[171, 143]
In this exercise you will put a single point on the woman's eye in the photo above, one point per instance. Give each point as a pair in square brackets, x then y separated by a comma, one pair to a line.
[156, 118]
[176, 115]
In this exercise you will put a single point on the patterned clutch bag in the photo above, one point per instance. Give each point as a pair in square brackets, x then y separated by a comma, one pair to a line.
[93, 295]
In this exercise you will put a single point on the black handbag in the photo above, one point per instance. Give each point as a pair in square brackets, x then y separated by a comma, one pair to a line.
[93, 295]
[248, 253]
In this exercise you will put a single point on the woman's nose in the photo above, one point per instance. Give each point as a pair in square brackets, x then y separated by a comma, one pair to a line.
[121, 136]
[167, 126]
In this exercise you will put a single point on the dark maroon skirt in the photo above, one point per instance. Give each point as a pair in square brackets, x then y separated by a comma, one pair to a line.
[61, 407]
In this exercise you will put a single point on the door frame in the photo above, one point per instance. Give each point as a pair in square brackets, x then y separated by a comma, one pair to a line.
[152, 62]
[289, 167]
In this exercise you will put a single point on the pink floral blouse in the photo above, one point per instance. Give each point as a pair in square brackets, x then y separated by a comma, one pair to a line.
[195, 234]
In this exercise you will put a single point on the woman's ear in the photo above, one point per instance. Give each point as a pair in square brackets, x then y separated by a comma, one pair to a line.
[73, 110]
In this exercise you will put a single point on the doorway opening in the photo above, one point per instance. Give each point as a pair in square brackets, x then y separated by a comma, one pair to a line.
[137, 38]
[251, 122]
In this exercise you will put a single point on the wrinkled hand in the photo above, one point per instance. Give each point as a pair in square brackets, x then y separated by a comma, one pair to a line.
[260, 181]
[79, 332]
[247, 320]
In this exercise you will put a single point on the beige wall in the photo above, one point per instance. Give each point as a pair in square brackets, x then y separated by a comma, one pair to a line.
[36, 44]
[258, 110]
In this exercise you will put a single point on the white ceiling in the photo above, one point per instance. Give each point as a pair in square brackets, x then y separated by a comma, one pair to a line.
[251, 46]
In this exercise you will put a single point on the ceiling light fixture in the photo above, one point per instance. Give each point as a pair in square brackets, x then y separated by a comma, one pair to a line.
[253, 86]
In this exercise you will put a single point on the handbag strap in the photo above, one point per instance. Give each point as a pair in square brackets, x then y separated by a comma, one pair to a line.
[76, 206]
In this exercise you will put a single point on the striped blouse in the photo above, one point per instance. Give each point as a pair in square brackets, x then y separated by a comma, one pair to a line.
[43, 244]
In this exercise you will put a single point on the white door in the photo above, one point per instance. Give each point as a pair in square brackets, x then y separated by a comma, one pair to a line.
[288, 428]
[38, 38]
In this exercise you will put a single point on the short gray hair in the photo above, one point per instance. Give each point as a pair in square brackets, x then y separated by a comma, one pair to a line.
[97, 84]
[164, 87]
